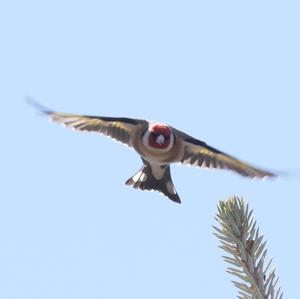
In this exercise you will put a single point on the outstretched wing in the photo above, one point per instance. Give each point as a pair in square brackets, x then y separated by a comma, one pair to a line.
[118, 128]
[198, 153]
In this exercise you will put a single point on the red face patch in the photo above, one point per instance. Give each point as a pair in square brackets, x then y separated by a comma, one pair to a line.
[159, 136]
[161, 129]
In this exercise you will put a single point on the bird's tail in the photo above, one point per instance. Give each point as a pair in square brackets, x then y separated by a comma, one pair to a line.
[155, 177]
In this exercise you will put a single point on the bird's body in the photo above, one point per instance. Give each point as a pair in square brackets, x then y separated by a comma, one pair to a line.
[159, 145]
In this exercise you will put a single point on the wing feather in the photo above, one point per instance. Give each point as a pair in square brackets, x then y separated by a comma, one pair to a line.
[118, 128]
[198, 153]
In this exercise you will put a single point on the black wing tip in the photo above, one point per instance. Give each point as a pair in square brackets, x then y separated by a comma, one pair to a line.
[272, 175]
[268, 177]
[258, 174]
[39, 107]
[264, 174]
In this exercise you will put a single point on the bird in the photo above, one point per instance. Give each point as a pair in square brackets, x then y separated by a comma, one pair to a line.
[159, 145]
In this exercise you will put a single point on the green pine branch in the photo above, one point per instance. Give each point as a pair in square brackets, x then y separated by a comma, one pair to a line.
[246, 249]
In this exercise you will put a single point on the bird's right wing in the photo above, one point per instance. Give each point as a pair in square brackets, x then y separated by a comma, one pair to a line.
[198, 153]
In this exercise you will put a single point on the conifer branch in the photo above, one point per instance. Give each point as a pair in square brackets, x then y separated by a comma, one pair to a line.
[246, 249]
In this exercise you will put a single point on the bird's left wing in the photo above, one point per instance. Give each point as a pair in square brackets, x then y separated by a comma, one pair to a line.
[198, 153]
[118, 128]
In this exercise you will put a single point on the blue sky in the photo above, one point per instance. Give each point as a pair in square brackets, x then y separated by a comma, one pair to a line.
[226, 72]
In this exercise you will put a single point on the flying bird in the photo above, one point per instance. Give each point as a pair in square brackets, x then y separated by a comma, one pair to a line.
[158, 145]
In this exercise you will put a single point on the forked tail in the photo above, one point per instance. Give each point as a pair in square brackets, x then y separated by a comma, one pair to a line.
[154, 177]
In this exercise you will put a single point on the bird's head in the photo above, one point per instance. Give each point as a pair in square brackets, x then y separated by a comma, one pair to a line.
[159, 136]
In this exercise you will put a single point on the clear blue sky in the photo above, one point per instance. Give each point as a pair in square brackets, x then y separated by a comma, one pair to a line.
[227, 72]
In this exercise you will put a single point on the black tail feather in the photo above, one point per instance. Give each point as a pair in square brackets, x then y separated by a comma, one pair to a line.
[154, 177]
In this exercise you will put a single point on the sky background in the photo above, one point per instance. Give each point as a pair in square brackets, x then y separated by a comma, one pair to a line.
[226, 72]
